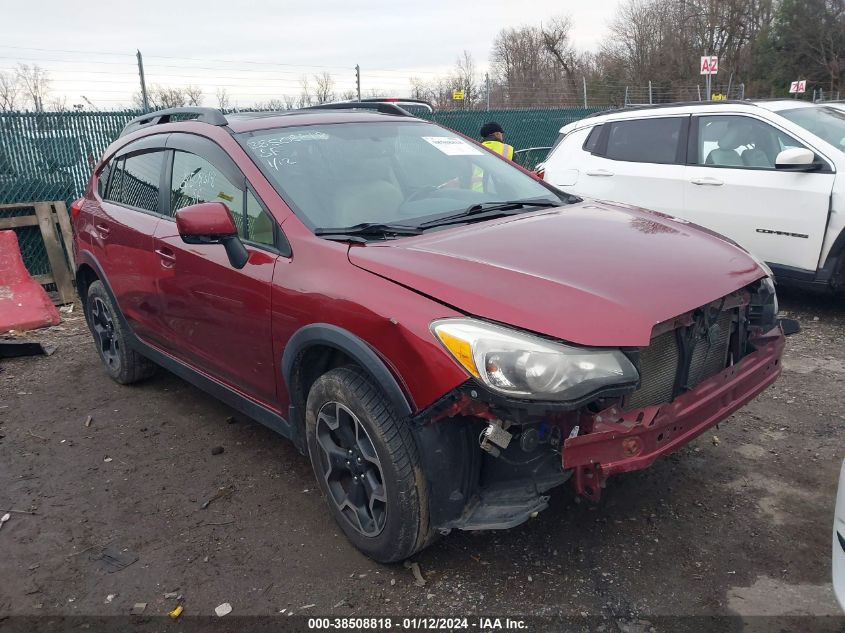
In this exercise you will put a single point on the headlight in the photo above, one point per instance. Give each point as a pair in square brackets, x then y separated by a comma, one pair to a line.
[522, 365]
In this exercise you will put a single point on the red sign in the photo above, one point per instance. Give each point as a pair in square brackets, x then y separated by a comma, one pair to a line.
[709, 65]
[798, 86]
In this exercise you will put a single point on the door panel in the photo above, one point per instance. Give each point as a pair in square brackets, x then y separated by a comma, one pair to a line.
[218, 317]
[637, 162]
[124, 225]
[733, 188]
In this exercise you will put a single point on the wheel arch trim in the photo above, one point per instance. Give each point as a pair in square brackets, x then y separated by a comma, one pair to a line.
[353, 346]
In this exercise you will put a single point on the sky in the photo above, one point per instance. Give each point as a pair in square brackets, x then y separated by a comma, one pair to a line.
[259, 50]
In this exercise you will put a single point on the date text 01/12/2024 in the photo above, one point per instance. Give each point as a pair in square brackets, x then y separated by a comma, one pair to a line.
[417, 624]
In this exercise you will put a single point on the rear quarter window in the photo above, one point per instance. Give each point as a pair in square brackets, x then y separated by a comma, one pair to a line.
[652, 140]
[592, 141]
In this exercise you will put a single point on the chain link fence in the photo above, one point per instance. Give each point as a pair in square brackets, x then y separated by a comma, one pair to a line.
[49, 155]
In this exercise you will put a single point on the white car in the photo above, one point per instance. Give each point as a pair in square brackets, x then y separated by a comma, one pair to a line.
[770, 175]
[839, 542]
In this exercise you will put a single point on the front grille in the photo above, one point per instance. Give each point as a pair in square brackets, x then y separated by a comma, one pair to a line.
[660, 362]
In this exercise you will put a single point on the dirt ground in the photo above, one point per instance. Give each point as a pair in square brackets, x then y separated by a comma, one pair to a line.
[112, 514]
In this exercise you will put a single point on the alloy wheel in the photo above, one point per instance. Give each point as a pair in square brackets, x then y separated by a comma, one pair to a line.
[103, 326]
[351, 469]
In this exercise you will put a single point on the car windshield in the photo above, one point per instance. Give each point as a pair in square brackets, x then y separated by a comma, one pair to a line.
[387, 173]
[826, 123]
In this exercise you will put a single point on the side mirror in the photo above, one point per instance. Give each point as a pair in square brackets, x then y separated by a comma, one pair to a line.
[796, 159]
[211, 223]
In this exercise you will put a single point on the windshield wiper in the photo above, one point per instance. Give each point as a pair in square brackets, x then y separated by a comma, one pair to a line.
[488, 207]
[359, 232]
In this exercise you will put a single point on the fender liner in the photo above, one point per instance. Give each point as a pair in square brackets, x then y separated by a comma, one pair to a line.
[348, 343]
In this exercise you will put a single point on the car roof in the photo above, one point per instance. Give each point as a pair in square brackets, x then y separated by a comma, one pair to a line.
[681, 108]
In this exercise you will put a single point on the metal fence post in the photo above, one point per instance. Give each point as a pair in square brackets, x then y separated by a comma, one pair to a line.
[584, 81]
[144, 98]
[649, 93]
[742, 90]
[358, 80]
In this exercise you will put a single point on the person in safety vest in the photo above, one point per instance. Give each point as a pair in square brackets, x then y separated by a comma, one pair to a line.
[493, 136]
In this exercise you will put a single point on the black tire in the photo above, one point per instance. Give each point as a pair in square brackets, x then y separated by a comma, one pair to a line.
[121, 362]
[395, 521]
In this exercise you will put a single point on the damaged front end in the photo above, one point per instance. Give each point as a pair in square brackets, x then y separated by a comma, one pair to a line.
[491, 457]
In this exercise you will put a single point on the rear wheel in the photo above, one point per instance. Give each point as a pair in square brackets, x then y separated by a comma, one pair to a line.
[122, 363]
[366, 463]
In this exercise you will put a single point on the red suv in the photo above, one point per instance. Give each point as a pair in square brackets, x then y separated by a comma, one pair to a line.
[445, 335]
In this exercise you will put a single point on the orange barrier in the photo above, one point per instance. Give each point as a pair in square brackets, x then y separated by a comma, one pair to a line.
[23, 303]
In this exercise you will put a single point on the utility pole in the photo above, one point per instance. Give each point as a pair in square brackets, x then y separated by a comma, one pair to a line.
[358, 80]
[144, 98]
[584, 81]
[487, 88]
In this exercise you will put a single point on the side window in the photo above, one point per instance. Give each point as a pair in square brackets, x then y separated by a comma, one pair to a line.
[593, 139]
[196, 180]
[259, 224]
[739, 141]
[139, 181]
[652, 140]
[113, 186]
[103, 179]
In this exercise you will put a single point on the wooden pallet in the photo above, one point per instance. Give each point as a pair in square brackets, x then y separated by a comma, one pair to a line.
[53, 221]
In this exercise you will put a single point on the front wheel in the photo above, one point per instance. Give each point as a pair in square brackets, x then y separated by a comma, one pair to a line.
[121, 362]
[367, 465]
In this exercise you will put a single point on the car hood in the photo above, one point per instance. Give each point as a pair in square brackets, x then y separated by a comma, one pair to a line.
[591, 273]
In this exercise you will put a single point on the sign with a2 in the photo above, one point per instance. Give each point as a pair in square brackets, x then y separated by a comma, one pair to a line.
[709, 65]
[798, 86]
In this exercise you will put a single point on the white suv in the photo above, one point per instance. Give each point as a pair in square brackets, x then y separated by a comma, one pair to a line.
[769, 175]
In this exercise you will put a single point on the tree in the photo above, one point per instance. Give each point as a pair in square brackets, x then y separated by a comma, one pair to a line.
[324, 91]
[161, 97]
[465, 78]
[222, 98]
[305, 98]
[34, 84]
[536, 65]
[9, 92]
[193, 95]
[808, 40]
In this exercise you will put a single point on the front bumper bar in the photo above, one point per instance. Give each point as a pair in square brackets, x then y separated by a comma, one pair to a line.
[622, 441]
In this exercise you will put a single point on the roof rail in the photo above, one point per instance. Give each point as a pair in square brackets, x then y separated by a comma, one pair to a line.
[379, 106]
[212, 116]
[397, 100]
[675, 104]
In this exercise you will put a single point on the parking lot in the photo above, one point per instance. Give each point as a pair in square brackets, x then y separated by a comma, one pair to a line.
[137, 504]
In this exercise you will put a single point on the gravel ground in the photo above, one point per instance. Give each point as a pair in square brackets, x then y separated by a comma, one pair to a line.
[112, 514]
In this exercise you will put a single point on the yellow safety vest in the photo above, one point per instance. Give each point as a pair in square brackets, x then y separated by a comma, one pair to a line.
[503, 149]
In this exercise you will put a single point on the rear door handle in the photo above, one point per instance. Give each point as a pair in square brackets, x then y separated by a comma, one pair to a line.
[168, 257]
[713, 182]
[102, 229]
[599, 172]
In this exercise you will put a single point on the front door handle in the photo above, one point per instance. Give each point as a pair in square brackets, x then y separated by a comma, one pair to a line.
[712, 182]
[599, 172]
[168, 257]
[102, 229]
